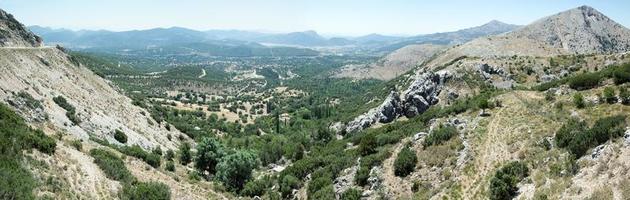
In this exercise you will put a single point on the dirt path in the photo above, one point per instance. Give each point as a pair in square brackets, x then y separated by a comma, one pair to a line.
[203, 73]
[395, 186]
[501, 141]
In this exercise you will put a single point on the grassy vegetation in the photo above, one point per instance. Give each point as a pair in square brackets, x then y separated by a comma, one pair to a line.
[17, 182]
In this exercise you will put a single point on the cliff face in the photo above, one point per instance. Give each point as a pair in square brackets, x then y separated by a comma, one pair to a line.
[14, 34]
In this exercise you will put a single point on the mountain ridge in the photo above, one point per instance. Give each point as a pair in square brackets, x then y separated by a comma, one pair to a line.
[15, 34]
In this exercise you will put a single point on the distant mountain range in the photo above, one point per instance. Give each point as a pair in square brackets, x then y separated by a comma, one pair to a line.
[176, 35]
[493, 27]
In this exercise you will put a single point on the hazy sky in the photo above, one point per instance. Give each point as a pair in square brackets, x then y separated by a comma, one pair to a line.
[341, 17]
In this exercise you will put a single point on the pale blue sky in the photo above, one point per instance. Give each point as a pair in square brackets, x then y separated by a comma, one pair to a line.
[342, 17]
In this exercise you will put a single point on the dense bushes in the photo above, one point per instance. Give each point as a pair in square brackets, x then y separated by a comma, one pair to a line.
[503, 183]
[145, 191]
[257, 187]
[442, 134]
[288, 184]
[209, 154]
[584, 81]
[367, 145]
[319, 186]
[17, 182]
[405, 163]
[169, 166]
[236, 168]
[619, 74]
[351, 194]
[113, 167]
[137, 151]
[120, 136]
[70, 110]
[577, 139]
[184, 153]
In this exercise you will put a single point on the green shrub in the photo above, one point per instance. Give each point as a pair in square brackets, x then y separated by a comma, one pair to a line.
[503, 183]
[326, 193]
[367, 145]
[16, 180]
[578, 140]
[169, 166]
[137, 151]
[29, 100]
[584, 81]
[257, 187]
[578, 100]
[113, 167]
[120, 136]
[40, 141]
[209, 153]
[145, 191]
[621, 74]
[318, 184]
[351, 194]
[169, 155]
[609, 95]
[568, 131]
[63, 103]
[70, 110]
[405, 163]
[287, 184]
[184, 153]
[235, 169]
[440, 135]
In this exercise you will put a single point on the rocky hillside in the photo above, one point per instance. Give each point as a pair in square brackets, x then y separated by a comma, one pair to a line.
[46, 73]
[496, 105]
[101, 144]
[14, 34]
[581, 30]
[392, 65]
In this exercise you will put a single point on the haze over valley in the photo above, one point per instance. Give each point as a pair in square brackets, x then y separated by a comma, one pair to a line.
[528, 107]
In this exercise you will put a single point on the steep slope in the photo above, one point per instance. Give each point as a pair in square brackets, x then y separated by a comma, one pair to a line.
[581, 30]
[14, 34]
[46, 72]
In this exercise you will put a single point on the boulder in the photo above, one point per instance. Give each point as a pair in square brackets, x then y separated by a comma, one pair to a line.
[416, 99]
